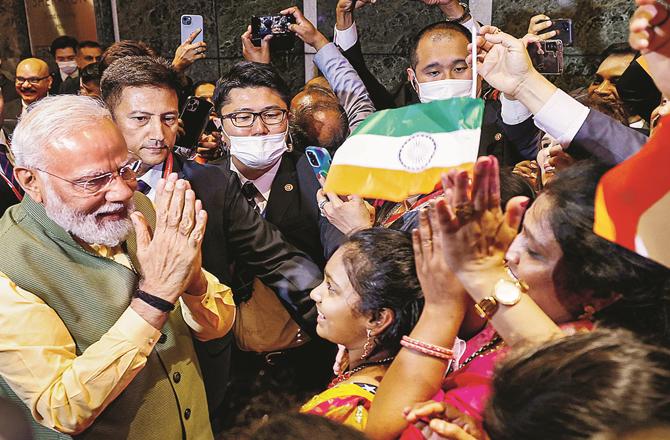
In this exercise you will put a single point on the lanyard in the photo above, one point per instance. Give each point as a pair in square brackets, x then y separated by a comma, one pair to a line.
[167, 167]
[16, 192]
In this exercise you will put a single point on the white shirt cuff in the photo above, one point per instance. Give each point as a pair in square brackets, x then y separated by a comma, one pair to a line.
[471, 23]
[513, 112]
[561, 117]
[347, 38]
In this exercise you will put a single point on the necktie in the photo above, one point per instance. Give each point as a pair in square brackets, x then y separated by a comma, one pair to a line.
[143, 187]
[250, 192]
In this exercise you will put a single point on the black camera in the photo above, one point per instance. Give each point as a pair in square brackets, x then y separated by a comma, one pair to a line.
[186, 20]
[275, 25]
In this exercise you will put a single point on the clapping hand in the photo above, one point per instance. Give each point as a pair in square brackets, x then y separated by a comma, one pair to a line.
[475, 232]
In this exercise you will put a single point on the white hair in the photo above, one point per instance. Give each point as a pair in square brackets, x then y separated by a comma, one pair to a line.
[50, 119]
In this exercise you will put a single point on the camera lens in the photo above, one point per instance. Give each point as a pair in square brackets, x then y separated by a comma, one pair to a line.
[186, 20]
[311, 157]
[551, 46]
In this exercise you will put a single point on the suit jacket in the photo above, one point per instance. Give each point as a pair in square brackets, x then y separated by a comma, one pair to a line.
[292, 205]
[509, 143]
[606, 139]
[12, 112]
[69, 87]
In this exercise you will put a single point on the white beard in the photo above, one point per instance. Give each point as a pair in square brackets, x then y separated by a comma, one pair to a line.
[85, 226]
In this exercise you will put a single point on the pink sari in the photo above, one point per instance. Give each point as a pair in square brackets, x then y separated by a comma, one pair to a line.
[468, 388]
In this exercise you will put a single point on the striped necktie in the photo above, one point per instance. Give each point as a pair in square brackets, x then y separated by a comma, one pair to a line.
[250, 192]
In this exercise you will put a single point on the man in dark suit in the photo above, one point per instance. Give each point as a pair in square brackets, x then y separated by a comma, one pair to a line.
[141, 92]
[576, 127]
[438, 71]
[88, 52]
[11, 192]
[252, 101]
[32, 83]
[64, 51]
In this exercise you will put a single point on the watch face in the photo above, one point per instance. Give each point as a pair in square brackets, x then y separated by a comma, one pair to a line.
[507, 293]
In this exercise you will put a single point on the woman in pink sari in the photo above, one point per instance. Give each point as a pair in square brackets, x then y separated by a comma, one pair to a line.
[554, 277]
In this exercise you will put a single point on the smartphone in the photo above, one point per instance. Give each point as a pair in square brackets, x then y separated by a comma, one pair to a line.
[277, 26]
[563, 28]
[190, 23]
[547, 56]
[319, 159]
[195, 116]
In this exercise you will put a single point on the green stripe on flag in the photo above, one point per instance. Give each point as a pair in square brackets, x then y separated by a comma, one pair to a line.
[434, 117]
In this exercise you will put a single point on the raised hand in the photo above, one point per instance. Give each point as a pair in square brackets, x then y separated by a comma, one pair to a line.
[349, 215]
[253, 53]
[304, 29]
[171, 259]
[538, 23]
[475, 232]
[438, 283]
[650, 34]
[346, 5]
[503, 60]
[188, 52]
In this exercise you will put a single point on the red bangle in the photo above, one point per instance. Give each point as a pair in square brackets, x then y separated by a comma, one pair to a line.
[427, 349]
[428, 346]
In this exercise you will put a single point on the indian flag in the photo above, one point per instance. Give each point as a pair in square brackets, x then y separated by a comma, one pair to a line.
[632, 203]
[397, 153]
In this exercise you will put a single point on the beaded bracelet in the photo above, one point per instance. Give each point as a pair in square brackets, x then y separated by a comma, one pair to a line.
[427, 349]
[428, 346]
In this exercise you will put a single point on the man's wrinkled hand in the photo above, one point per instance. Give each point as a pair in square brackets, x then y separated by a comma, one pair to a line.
[171, 258]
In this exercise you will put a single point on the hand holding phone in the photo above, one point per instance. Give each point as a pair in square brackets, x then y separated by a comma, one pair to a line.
[189, 25]
[275, 25]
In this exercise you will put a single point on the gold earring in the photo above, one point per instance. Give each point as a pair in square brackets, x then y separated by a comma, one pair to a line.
[588, 313]
[367, 348]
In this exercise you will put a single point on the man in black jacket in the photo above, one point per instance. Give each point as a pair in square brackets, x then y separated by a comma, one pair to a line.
[438, 71]
[141, 93]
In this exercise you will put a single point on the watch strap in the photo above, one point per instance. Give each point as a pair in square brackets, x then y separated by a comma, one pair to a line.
[154, 301]
[487, 307]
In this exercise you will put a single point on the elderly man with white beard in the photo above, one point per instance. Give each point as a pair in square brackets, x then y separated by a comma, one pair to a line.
[100, 295]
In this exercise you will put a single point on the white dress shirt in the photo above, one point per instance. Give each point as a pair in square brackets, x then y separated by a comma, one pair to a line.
[263, 184]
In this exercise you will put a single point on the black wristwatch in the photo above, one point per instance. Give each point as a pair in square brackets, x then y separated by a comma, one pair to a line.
[154, 301]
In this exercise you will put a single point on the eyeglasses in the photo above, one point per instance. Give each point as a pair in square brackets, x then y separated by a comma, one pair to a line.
[32, 80]
[94, 185]
[247, 119]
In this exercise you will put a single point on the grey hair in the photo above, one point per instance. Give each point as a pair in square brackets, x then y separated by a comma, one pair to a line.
[50, 119]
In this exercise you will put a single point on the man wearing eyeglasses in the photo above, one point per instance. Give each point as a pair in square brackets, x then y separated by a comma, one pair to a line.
[141, 93]
[32, 83]
[97, 314]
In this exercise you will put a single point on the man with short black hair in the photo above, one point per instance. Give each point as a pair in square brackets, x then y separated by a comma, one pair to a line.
[64, 51]
[88, 52]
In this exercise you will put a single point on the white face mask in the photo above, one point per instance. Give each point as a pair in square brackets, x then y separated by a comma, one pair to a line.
[443, 89]
[67, 67]
[258, 152]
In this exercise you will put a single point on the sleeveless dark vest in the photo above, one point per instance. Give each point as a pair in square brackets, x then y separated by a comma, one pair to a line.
[89, 293]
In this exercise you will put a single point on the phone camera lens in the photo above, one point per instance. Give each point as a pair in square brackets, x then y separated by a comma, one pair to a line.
[313, 161]
[186, 20]
[551, 46]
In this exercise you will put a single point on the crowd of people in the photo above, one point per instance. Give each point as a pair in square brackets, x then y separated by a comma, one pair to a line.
[152, 289]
